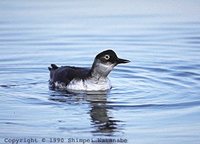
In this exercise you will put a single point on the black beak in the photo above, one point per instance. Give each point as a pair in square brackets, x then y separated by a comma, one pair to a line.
[119, 61]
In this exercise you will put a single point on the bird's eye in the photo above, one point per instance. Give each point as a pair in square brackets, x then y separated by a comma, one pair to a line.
[107, 57]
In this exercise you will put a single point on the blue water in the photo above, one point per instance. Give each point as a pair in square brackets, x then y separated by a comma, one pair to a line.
[154, 99]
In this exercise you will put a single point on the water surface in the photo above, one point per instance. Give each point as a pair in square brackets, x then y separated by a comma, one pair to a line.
[154, 99]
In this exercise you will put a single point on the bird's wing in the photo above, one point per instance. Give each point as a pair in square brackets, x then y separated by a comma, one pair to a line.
[65, 74]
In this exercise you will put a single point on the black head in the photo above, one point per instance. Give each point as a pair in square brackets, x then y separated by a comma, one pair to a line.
[104, 63]
[109, 56]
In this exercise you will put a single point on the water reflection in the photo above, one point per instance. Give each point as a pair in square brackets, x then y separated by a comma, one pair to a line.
[102, 120]
[101, 117]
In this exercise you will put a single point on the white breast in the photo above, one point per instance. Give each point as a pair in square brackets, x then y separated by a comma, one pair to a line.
[89, 85]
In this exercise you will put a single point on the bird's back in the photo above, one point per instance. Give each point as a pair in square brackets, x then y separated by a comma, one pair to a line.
[65, 74]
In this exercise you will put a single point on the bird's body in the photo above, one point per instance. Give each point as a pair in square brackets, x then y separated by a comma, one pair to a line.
[76, 78]
[85, 79]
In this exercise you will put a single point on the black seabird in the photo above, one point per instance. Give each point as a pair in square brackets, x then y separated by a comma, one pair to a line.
[86, 79]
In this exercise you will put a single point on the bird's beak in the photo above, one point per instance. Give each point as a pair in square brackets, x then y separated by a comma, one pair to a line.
[119, 61]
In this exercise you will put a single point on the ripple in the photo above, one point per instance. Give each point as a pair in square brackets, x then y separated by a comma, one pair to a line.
[187, 67]
[157, 106]
[19, 85]
[185, 74]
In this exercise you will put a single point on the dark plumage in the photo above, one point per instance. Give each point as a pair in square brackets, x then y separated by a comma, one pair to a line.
[94, 78]
[65, 74]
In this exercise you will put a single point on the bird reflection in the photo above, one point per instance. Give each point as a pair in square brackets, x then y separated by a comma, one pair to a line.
[100, 114]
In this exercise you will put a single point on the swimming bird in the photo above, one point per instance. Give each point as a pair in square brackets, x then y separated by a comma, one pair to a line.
[86, 79]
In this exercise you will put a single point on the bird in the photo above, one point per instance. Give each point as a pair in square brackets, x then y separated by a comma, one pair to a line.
[73, 78]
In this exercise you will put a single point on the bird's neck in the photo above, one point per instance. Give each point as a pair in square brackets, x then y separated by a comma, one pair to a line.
[100, 71]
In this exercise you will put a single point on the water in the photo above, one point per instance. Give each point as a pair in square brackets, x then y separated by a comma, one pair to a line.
[155, 98]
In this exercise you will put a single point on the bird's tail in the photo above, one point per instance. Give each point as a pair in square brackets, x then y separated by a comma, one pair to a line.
[53, 67]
